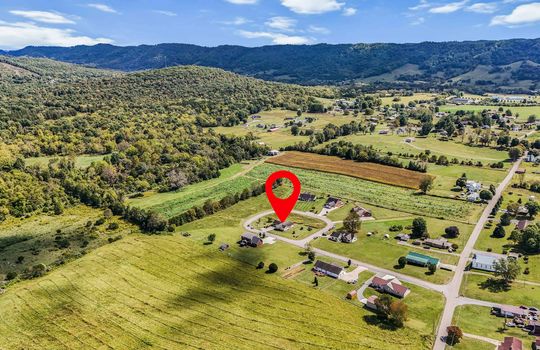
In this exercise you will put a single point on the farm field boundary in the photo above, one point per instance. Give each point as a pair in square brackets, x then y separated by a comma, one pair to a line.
[368, 171]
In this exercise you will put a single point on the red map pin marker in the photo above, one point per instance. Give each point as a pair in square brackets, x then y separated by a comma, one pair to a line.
[282, 206]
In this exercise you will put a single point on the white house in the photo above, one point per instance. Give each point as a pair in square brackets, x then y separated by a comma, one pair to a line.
[473, 186]
[473, 197]
[484, 262]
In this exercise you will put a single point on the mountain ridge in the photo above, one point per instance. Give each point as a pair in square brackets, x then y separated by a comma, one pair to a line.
[437, 62]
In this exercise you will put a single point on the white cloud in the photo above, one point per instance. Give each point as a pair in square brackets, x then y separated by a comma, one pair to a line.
[483, 7]
[166, 13]
[418, 21]
[449, 8]
[523, 14]
[277, 38]
[311, 7]
[20, 34]
[238, 21]
[421, 5]
[281, 23]
[319, 30]
[349, 11]
[242, 2]
[43, 16]
[103, 8]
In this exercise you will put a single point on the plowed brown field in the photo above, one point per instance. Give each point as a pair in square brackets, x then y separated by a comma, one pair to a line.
[369, 171]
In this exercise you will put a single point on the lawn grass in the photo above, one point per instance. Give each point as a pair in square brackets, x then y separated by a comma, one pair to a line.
[477, 320]
[303, 225]
[477, 287]
[385, 253]
[37, 239]
[471, 344]
[446, 176]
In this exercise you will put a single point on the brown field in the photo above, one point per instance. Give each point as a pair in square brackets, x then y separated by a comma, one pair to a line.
[369, 171]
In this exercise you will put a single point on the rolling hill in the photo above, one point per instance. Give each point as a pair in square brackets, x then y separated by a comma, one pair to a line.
[427, 62]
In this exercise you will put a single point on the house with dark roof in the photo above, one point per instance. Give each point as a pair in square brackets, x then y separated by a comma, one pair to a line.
[333, 202]
[307, 197]
[362, 212]
[403, 237]
[391, 285]
[341, 236]
[349, 237]
[282, 226]
[511, 343]
[336, 236]
[328, 269]
[251, 239]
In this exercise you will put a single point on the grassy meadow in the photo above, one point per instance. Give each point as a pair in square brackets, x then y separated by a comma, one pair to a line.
[172, 293]
[54, 240]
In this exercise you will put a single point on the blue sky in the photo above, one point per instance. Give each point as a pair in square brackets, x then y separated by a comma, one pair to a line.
[261, 22]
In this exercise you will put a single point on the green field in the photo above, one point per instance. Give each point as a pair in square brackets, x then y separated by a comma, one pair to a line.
[471, 344]
[170, 204]
[377, 194]
[80, 161]
[168, 292]
[477, 320]
[452, 149]
[53, 240]
[477, 287]
[283, 136]
[523, 112]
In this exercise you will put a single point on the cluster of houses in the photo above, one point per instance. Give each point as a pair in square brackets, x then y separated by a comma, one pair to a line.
[473, 190]
[439, 243]
[522, 317]
[342, 236]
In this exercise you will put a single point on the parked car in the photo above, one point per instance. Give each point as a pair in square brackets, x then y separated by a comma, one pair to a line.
[533, 309]
[510, 324]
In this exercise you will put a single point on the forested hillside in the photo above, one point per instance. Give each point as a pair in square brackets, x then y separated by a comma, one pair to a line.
[504, 63]
[148, 127]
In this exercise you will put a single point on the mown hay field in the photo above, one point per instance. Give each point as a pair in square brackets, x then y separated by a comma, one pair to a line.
[167, 292]
[369, 171]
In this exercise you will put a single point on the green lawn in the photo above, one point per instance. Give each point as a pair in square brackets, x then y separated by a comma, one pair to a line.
[172, 293]
[385, 253]
[471, 344]
[303, 225]
[478, 287]
[478, 320]
[446, 177]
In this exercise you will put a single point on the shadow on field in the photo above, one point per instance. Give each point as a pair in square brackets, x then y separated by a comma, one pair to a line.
[494, 285]
[375, 320]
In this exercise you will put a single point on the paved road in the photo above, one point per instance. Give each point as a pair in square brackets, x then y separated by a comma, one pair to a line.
[452, 289]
